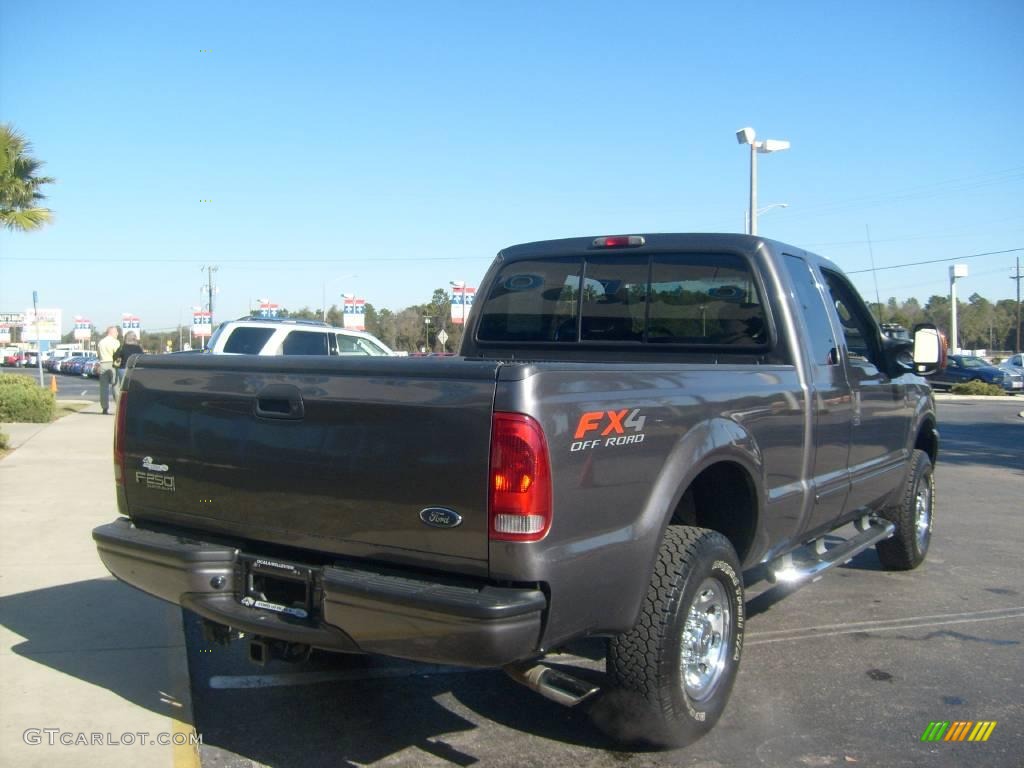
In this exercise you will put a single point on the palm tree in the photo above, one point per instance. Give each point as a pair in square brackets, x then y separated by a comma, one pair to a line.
[19, 184]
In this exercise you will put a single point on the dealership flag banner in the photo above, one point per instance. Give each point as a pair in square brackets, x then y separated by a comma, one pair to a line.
[83, 329]
[49, 325]
[462, 302]
[202, 324]
[130, 322]
[355, 314]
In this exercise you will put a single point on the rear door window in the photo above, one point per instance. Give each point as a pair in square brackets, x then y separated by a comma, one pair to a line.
[809, 298]
[305, 343]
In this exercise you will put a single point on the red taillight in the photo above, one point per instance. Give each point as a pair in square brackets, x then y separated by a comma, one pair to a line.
[619, 241]
[120, 473]
[520, 479]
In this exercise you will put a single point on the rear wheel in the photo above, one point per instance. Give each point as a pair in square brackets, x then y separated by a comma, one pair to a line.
[914, 517]
[672, 674]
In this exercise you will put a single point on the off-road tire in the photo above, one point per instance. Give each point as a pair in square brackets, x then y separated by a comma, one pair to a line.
[652, 700]
[907, 548]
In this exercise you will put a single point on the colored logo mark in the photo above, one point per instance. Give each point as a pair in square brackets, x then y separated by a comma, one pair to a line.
[958, 730]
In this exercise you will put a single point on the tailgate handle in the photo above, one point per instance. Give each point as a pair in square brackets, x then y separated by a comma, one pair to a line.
[280, 401]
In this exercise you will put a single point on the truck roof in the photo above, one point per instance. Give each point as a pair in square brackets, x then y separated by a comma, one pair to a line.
[660, 241]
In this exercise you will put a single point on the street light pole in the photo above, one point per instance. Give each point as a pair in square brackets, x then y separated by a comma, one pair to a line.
[955, 271]
[749, 136]
[753, 189]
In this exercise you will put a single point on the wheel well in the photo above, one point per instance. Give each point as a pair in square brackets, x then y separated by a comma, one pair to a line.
[722, 498]
[928, 440]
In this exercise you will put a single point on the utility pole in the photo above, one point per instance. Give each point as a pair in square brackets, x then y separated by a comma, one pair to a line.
[1017, 276]
[209, 289]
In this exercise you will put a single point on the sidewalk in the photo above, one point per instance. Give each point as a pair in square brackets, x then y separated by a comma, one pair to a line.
[81, 654]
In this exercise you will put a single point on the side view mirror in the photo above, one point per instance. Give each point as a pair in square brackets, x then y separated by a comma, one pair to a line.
[929, 350]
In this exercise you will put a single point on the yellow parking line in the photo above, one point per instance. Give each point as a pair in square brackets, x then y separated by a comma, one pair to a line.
[185, 754]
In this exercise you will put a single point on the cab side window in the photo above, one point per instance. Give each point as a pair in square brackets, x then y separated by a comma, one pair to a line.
[858, 328]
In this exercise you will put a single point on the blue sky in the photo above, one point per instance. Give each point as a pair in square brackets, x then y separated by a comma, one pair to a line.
[388, 148]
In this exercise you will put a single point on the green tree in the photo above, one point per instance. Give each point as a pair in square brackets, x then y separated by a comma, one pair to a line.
[936, 311]
[20, 184]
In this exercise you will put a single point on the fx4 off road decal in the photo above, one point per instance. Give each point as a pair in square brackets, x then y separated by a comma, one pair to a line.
[608, 429]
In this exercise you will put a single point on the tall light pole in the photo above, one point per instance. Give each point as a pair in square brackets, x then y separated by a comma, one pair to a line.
[749, 136]
[955, 271]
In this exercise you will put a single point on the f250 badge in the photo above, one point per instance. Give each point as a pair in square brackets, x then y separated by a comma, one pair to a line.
[608, 429]
[154, 479]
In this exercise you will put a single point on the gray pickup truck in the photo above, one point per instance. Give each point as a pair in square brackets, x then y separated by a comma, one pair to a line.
[633, 424]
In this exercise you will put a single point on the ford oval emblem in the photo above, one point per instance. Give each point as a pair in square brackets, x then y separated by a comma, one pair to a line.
[439, 517]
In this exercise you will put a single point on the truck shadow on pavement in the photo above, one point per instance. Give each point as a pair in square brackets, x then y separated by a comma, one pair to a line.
[375, 709]
[106, 634]
[103, 633]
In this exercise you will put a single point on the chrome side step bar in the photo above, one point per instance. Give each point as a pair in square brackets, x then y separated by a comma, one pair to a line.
[552, 684]
[786, 570]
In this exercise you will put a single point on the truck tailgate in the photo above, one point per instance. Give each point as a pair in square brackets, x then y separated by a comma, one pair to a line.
[335, 455]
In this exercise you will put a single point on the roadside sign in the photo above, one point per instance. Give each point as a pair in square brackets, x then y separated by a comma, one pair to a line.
[443, 336]
[48, 326]
[202, 324]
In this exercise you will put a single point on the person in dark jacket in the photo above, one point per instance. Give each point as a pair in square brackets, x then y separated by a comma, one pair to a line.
[126, 350]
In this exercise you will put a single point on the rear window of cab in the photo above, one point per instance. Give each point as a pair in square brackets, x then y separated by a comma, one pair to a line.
[688, 299]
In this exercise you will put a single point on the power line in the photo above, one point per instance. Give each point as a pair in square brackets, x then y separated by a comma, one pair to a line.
[970, 231]
[935, 261]
[921, 191]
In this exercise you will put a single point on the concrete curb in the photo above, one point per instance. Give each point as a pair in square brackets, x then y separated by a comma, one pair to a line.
[948, 397]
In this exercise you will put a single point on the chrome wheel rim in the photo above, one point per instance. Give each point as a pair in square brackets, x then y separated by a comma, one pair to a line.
[705, 640]
[923, 514]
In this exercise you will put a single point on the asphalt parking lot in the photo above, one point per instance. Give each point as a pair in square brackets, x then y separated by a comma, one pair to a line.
[75, 387]
[847, 671]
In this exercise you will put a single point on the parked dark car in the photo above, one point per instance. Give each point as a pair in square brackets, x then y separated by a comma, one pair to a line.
[961, 369]
[80, 365]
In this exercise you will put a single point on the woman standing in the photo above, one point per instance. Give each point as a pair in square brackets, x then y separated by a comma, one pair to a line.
[129, 348]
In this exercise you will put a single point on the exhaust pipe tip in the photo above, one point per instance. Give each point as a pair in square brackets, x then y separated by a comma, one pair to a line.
[554, 685]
